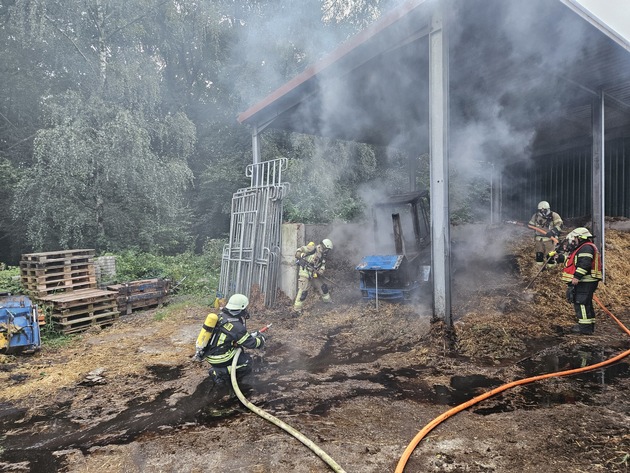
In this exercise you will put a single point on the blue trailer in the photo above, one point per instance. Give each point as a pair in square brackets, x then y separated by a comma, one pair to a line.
[19, 325]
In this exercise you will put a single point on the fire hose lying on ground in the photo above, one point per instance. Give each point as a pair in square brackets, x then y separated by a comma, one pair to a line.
[435, 422]
[274, 420]
[441, 418]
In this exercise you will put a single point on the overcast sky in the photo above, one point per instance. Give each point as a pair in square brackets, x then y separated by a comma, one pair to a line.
[615, 13]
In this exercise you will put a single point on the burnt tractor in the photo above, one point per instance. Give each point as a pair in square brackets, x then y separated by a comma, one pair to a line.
[401, 263]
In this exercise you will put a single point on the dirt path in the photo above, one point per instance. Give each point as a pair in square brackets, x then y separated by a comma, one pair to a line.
[358, 382]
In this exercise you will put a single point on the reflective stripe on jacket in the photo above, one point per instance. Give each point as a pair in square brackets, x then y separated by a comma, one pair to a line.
[232, 334]
[584, 264]
[315, 257]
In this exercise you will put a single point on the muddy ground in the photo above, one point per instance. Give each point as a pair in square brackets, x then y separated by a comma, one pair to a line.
[358, 381]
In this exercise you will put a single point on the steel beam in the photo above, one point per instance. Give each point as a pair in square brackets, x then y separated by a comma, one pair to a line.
[598, 212]
[438, 133]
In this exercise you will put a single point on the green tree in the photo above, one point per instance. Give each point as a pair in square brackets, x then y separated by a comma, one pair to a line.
[110, 162]
[98, 179]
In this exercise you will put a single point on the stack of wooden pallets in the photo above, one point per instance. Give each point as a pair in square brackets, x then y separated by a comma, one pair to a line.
[64, 282]
[141, 294]
[76, 311]
[55, 271]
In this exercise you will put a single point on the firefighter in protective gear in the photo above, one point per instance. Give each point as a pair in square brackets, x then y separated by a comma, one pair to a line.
[230, 333]
[551, 222]
[582, 273]
[311, 261]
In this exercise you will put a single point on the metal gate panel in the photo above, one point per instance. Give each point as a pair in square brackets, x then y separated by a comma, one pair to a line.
[252, 254]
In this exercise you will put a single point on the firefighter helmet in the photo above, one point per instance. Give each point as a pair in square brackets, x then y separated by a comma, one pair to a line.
[237, 303]
[327, 244]
[580, 233]
[544, 208]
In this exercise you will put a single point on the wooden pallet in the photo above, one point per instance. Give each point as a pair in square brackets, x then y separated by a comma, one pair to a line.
[141, 294]
[84, 323]
[54, 257]
[57, 271]
[79, 310]
[67, 300]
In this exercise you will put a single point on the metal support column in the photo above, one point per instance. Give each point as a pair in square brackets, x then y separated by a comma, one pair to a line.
[438, 132]
[256, 154]
[598, 211]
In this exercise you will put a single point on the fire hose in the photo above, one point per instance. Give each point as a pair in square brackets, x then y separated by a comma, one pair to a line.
[274, 420]
[441, 418]
[303, 262]
[539, 230]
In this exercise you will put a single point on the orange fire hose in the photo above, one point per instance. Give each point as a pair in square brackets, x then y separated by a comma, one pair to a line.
[441, 418]
[539, 230]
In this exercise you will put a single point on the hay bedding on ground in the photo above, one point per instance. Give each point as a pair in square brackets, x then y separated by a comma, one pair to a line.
[358, 380]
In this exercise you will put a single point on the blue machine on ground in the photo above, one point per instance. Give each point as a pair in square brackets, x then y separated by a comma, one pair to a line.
[402, 268]
[389, 277]
[19, 325]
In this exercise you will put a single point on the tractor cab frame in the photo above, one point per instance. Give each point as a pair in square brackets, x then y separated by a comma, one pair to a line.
[401, 262]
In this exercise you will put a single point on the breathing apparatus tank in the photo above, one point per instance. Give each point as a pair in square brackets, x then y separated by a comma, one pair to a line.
[206, 331]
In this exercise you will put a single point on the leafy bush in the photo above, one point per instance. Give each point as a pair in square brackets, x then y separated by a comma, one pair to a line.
[192, 273]
[10, 279]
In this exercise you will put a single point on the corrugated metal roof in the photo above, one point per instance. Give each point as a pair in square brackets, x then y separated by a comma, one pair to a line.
[374, 88]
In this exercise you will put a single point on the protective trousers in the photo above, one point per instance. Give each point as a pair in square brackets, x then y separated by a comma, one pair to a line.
[305, 283]
[221, 373]
[583, 304]
[543, 246]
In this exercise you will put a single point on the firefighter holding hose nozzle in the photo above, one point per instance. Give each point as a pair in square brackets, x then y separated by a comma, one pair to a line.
[582, 273]
[220, 337]
[549, 221]
[311, 261]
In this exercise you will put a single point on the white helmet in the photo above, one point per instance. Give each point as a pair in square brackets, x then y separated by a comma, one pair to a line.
[237, 303]
[580, 233]
[327, 244]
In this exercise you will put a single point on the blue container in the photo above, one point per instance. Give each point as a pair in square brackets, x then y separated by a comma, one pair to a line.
[387, 276]
[19, 325]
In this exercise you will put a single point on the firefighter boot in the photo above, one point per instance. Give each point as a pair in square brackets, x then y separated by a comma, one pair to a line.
[583, 329]
[220, 376]
[325, 293]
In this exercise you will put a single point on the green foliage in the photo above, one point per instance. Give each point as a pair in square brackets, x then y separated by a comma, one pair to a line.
[50, 335]
[10, 279]
[118, 125]
[106, 178]
[182, 304]
[319, 194]
[193, 274]
[470, 198]
[55, 339]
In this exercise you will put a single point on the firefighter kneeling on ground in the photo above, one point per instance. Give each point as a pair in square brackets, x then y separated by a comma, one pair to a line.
[582, 272]
[311, 261]
[222, 335]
